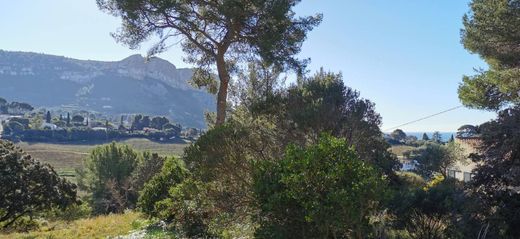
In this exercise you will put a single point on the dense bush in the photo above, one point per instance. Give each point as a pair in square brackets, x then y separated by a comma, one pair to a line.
[321, 191]
[156, 189]
[175, 197]
[29, 187]
[107, 177]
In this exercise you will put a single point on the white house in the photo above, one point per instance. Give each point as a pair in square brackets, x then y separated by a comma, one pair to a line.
[49, 126]
[462, 170]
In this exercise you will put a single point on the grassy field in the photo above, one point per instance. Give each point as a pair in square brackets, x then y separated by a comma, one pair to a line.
[97, 227]
[400, 149]
[65, 158]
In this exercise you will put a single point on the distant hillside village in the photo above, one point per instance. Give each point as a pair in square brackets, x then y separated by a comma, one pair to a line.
[21, 122]
[465, 142]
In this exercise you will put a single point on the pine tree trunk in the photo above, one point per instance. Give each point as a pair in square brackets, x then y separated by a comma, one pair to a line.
[223, 90]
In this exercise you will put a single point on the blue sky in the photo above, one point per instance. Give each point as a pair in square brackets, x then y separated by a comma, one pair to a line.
[403, 55]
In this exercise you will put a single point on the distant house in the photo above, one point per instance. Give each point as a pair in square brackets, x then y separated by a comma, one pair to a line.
[99, 128]
[408, 164]
[462, 170]
[49, 126]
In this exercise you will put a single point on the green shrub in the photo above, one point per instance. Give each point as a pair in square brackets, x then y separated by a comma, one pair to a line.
[320, 191]
[107, 178]
[156, 189]
[29, 187]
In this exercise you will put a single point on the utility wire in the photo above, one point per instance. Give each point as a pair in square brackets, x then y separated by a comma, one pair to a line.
[426, 117]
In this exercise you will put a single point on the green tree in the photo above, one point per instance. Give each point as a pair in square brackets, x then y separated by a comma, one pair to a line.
[107, 178]
[217, 33]
[48, 117]
[322, 103]
[425, 137]
[467, 131]
[18, 108]
[497, 177]
[3, 106]
[156, 189]
[433, 158]
[321, 191]
[28, 186]
[490, 30]
[68, 119]
[159, 122]
[437, 137]
[398, 135]
[78, 119]
[147, 167]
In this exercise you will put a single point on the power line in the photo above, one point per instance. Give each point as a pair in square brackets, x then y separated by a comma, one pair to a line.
[426, 117]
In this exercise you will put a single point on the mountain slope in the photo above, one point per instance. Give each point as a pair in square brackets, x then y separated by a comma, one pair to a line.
[132, 85]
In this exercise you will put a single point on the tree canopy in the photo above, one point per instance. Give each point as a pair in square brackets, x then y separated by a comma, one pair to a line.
[497, 176]
[491, 31]
[219, 33]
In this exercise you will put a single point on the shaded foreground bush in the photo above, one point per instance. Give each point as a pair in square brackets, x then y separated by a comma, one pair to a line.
[28, 187]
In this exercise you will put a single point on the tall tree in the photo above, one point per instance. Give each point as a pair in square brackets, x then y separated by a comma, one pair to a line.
[491, 30]
[322, 103]
[437, 137]
[497, 176]
[425, 137]
[219, 33]
[68, 119]
[48, 117]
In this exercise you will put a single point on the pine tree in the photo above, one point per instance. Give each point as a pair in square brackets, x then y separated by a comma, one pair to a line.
[48, 117]
[68, 119]
[425, 137]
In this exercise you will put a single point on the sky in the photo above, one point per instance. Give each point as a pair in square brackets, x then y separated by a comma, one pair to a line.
[405, 56]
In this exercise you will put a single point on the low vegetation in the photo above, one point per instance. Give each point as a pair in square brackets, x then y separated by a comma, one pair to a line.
[105, 226]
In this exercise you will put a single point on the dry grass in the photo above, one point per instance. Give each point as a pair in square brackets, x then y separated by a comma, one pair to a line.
[96, 227]
[400, 149]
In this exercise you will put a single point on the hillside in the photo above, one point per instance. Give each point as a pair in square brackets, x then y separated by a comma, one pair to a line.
[132, 85]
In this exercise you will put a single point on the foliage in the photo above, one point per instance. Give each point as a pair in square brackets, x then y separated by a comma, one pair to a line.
[467, 131]
[156, 189]
[28, 186]
[107, 178]
[435, 158]
[322, 103]
[425, 137]
[220, 34]
[78, 119]
[497, 176]
[436, 137]
[490, 31]
[147, 167]
[398, 135]
[323, 190]
[18, 108]
[190, 209]
[223, 158]
[159, 122]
